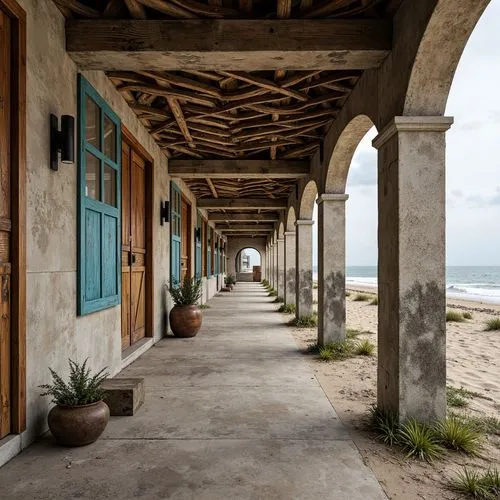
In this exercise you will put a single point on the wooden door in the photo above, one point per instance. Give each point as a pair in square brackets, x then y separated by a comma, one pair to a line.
[175, 233]
[185, 239]
[134, 251]
[5, 225]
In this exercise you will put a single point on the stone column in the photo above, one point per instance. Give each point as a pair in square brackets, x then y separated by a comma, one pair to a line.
[275, 265]
[281, 267]
[411, 269]
[272, 269]
[290, 293]
[331, 268]
[303, 267]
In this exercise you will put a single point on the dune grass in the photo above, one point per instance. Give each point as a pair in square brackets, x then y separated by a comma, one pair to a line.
[482, 485]
[385, 425]
[457, 397]
[454, 316]
[455, 434]
[467, 315]
[342, 349]
[493, 324]
[305, 321]
[374, 301]
[419, 441]
[364, 348]
[279, 300]
[287, 309]
[361, 297]
[272, 293]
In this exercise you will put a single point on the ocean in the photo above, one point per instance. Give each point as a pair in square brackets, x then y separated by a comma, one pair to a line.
[478, 283]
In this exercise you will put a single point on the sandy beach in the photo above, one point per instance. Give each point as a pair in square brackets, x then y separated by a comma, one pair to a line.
[472, 363]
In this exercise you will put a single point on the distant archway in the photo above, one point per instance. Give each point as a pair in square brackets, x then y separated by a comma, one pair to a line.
[246, 258]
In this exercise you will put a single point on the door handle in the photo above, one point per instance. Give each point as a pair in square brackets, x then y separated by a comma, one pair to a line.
[131, 259]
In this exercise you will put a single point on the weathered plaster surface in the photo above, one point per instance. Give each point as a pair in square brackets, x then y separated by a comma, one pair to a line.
[281, 267]
[331, 268]
[303, 267]
[290, 295]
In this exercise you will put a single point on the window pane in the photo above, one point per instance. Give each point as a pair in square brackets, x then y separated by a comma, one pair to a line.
[92, 176]
[109, 185]
[109, 138]
[93, 123]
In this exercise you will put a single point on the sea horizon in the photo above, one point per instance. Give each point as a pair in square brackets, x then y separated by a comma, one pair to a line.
[476, 283]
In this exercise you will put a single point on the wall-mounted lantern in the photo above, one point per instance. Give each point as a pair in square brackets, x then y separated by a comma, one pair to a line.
[62, 141]
[164, 212]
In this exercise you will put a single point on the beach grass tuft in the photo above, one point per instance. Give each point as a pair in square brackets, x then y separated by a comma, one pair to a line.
[361, 297]
[279, 300]
[419, 441]
[457, 397]
[482, 485]
[493, 324]
[287, 309]
[352, 333]
[385, 425]
[454, 316]
[374, 301]
[348, 294]
[272, 293]
[305, 321]
[467, 315]
[481, 424]
[364, 348]
[455, 434]
[313, 348]
[342, 349]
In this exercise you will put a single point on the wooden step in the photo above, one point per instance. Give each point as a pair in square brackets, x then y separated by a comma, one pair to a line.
[124, 396]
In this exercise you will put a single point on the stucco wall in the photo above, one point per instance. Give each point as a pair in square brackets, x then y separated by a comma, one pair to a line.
[54, 332]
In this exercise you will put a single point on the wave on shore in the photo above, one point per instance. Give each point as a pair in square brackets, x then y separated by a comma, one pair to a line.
[476, 292]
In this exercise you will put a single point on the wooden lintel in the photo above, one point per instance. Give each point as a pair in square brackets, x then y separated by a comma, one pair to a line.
[238, 169]
[243, 217]
[243, 228]
[241, 203]
[208, 44]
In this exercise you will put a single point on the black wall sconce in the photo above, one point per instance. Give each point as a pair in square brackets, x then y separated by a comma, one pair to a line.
[164, 212]
[62, 141]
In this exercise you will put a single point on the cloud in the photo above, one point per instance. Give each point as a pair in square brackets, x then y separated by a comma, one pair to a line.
[363, 171]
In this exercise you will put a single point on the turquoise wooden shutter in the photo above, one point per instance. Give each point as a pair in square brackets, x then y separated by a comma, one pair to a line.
[216, 256]
[197, 242]
[99, 202]
[175, 233]
[209, 252]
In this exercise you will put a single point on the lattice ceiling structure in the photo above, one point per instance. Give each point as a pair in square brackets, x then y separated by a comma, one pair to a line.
[224, 114]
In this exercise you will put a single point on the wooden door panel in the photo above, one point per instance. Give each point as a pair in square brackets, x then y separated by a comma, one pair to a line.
[185, 240]
[125, 172]
[138, 287]
[126, 309]
[138, 202]
[5, 225]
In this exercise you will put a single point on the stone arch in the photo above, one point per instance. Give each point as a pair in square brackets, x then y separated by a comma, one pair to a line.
[340, 161]
[238, 255]
[439, 52]
[307, 200]
[290, 219]
[235, 245]
[281, 230]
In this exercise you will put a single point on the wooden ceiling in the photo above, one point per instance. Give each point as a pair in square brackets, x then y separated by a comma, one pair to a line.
[199, 111]
[228, 9]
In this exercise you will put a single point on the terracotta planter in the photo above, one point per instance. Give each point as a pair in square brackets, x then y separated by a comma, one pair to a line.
[185, 321]
[78, 425]
[230, 286]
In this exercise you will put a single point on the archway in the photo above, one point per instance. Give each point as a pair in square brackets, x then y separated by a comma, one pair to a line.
[307, 200]
[246, 259]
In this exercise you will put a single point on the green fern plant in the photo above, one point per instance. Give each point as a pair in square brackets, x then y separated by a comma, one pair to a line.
[187, 293]
[83, 388]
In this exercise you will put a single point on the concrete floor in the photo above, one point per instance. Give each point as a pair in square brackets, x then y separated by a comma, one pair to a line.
[234, 413]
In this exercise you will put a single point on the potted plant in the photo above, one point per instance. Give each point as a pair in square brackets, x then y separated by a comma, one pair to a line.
[185, 317]
[80, 415]
[230, 281]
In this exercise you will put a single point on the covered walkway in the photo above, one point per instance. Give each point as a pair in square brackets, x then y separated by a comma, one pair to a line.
[232, 413]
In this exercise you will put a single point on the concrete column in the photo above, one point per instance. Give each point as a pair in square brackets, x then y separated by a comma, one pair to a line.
[272, 268]
[331, 268]
[303, 267]
[275, 265]
[290, 293]
[411, 269]
[281, 267]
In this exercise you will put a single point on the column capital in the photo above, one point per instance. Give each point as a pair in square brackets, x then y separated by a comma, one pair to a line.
[289, 233]
[325, 197]
[412, 124]
[304, 222]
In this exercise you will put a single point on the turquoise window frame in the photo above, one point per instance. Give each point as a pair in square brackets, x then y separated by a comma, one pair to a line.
[85, 204]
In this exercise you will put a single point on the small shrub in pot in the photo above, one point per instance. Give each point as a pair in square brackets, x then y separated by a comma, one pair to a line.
[186, 316]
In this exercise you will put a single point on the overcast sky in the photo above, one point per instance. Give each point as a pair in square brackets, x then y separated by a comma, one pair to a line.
[473, 162]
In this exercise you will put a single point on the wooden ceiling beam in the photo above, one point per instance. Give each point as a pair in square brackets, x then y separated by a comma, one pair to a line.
[243, 217]
[252, 228]
[238, 169]
[241, 203]
[205, 44]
